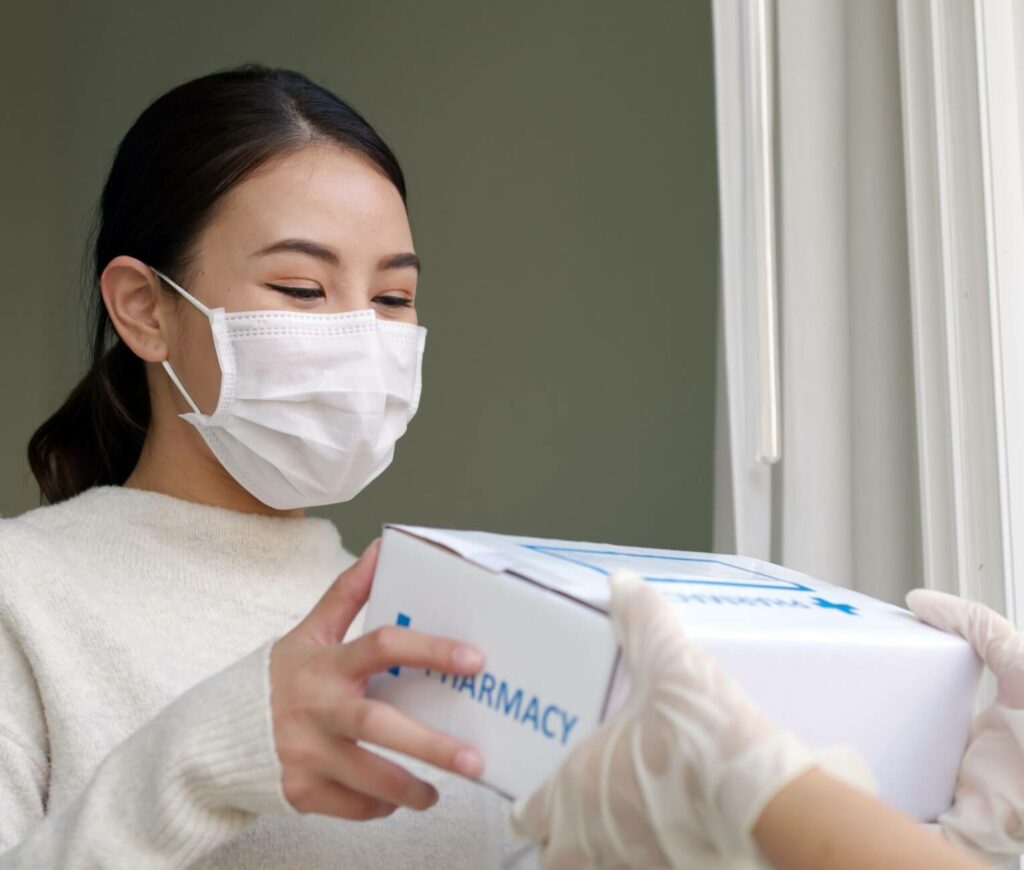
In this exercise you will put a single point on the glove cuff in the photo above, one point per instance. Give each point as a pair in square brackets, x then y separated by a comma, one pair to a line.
[748, 783]
[847, 765]
[754, 778]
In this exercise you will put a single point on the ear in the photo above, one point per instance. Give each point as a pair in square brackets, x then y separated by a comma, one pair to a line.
[132, 293]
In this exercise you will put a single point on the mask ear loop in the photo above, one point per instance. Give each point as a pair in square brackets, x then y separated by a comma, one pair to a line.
[167, 366]
[184, 292]
[181, 389]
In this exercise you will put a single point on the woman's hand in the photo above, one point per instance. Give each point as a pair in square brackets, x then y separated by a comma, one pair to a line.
[988, 809]
[678, 776]
[320, 712]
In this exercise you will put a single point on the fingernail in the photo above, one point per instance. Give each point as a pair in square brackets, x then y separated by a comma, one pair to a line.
[469, 762]
[466, 658]
[424, 796]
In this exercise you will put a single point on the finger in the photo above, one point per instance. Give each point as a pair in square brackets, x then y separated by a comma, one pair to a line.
[381, 724]
[626, 606]
[327, 797]
[331, 616]
[645, 623]
[528, 817]
[979, 625]
[370, 774]
[567, 856]
[992, 637]
[391, 646]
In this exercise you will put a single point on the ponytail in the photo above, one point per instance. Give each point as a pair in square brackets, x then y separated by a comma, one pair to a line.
[95, 438]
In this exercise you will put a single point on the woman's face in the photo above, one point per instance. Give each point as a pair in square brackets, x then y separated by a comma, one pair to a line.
[319, 230]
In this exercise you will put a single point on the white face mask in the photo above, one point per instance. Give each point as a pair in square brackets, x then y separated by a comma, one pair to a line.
[310, 405]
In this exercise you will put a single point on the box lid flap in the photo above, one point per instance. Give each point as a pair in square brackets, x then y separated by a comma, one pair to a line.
[715, 593]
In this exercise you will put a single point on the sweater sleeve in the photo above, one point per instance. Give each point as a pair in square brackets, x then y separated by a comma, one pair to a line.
[191, 778]
[24, 756]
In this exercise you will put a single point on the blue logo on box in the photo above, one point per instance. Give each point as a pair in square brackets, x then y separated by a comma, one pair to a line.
[402, 622]
[832, 605]
[550, 720]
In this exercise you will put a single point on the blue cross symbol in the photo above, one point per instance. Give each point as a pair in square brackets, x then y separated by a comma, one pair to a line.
[832, 605]
[402, 622]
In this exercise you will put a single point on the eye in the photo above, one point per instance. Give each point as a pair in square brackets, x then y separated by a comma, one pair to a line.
[299, 292]
[394, 301]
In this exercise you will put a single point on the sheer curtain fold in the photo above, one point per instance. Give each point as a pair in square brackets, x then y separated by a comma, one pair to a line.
[842, 502]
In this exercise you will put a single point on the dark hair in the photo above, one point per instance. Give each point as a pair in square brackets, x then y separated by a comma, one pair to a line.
[186, 150]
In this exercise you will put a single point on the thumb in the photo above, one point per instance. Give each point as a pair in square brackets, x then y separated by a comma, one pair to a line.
[628, 606]
[331, 616]
[647, 628]
[529, 817]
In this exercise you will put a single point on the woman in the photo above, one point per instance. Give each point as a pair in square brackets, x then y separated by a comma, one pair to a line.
[174, 546]
[179, 689]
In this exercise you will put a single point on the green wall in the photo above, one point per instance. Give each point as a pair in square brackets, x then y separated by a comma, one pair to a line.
[561, 166]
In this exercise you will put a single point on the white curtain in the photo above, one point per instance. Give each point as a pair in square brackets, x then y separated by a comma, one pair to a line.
[841, 503]
[898, 204]
[893, 178]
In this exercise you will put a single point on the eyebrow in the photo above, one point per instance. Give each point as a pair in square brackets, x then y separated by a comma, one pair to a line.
[400, 261]
[329, 255]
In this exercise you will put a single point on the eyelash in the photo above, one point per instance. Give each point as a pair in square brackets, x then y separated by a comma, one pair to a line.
[317, 293]
[299, 292]
[394, 301]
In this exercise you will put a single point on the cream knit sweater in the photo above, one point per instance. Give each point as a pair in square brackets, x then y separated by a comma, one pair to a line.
[135, 725]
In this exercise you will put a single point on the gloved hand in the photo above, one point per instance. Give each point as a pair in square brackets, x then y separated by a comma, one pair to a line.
[680, 774]
[987, 816]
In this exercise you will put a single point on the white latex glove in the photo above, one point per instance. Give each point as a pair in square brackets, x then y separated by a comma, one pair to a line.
[987, 816]
[680, 774]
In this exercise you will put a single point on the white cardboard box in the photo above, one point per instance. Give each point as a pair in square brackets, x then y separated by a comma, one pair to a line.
[827, 663]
